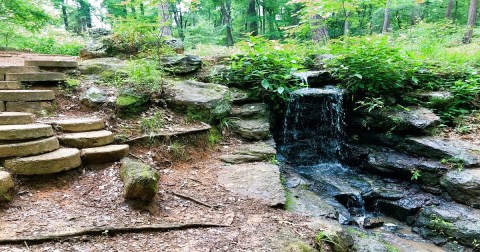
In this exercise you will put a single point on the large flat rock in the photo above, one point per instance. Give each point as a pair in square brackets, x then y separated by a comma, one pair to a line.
[53, 162]
[37, 107]
[27, 95]
[252, 129]
[247, 153]
[29, 148]
[463, 186]
[256, 180]
[18, 69]
[24, 132]
[251, 110]
[105, 154]
[36, 76]
[9, 118]
[451, 149]
[79, 124]
[87, 139]
[52, 63]
[10, 85]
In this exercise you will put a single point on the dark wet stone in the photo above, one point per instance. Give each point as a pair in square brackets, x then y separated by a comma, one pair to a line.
[181, 64]
[463, 186]
[406, 207]
[373, 222]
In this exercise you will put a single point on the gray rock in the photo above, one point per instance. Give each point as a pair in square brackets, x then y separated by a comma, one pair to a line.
[175, 44]
[373, 222]
[251, 129]
[94, 97]
[7, 189]
[463, 186]
[206, 100]
[405, 208]
[248, 153]
[315, 78]
[453, 151]
[181, 64]
[96, 47]
[100, 65]
[240, 96]
[309, 204]
[251, 110]
[448, 221]
[415, 120]
[258, 180]
[140, 180]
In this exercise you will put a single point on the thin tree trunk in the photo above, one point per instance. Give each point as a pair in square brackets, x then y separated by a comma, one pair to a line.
[226, 9]
[320, 30]
[448, 14]
[386, 18]
[164, 17]
[472, 17]
[64, 14]
[346, 24]
[252, 18]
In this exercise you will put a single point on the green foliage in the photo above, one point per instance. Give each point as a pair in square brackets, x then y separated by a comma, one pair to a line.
[440, 225]
[177, 150]
[415, 174]
[372, 67]
[202, 33]
[152, 123]
[144, 74]
[214, 138]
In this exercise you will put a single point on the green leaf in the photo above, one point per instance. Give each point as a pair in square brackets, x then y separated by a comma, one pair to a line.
[280, 90]
[358, 76]
[266, 84]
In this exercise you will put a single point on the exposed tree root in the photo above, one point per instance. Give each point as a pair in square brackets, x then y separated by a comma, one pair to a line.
[106, 230]
[194, 200]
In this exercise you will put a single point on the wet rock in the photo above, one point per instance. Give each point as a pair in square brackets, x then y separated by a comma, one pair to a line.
[251, 110]
[406, 207]
[251, 129]
[100, 65]
[94, 97]
[463, 186]
[452, 150]
[331, 236]
[373, 222]
[175, 44]
[315, 78]
[140, 180]
[309, 204]
[415, 120]
[294, 180]
[181, 64]
[246, 153]
[258, 180]
[204, 101]
[449, 221]
[6, 187]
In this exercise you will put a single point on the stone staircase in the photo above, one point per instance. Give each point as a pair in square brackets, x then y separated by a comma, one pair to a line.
[29, 148]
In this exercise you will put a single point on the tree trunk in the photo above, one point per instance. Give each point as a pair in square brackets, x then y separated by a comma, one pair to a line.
[64, 14]
[320, 30]
[386, 18]
[448, 14]
[252, 18]
[142, 9]
[346, 24]
[177, 14]
[226, 9]
[472, 17]
[164, 19]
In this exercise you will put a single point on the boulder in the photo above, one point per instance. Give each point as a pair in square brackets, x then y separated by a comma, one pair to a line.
[251, 110]
[140, 180]
[100, 65]
[435, 99]
[449, 221]
[373, 222]
[240, 96]
[258, 180]
[175, 44]
[7, 190]
[414, 120]
[251, 129]
[94, 97]
[309, 204]
[463, 186]
[315, 78]
[131, 103]
[201, 100]
[181, 64]
[97, 46]
[404, 209]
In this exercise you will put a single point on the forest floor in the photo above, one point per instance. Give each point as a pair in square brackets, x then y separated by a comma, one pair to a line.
[91, 196]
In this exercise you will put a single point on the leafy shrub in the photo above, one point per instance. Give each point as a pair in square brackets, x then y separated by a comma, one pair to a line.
[144, 74]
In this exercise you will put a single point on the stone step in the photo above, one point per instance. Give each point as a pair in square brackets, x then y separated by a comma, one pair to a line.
[52, 63]
[9, 118]
[52, 162]
[16, 69]
[25, 132]
[27, 95]
[38, 107]
[2, 106]
[35, 76]
[29, 148]
[105, 154]
[87, 139]
[79, 124]
[10, 85]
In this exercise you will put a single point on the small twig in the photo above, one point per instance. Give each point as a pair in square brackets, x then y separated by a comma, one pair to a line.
[194, 200]
[196, 180]
[88, 191]
[107, 230]
[137, 157]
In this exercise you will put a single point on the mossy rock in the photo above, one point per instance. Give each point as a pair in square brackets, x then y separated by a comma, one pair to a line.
[6, 187]
[140, 180]
[131, 104]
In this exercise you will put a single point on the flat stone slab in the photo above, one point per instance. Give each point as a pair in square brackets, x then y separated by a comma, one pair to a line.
[2, 106]
[36, 76]
[9, 118]
[7, 190]
[105, 154]
[18, 69]
[53, 162]
[87, 139]
[27, 95]
[29, 148]
[256, 180]
[248, 153]
[79, 124]
[439, 148]
[52, 63]
[252, 129]
[10, 85]
[463, 186]
[38, 107]
[252, 110]
[25, 132]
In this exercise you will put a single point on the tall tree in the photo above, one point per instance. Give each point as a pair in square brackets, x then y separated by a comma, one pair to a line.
[226, 9]
[164, 18]
[472, 18]
[252, 17]
[448, 13]
[319, 29]
[386, 18]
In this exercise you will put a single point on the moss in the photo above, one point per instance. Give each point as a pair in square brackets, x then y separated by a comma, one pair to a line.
[128, 105]
[140, 180]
